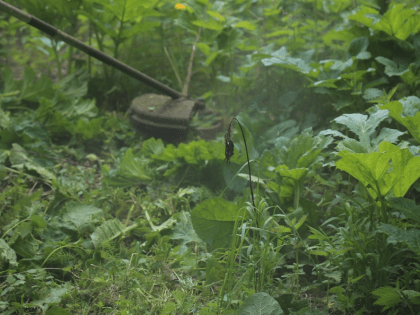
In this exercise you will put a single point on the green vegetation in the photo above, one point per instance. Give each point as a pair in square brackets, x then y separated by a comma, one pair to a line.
[95, 219]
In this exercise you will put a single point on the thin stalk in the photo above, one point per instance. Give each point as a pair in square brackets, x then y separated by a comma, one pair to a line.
[316, 30]
[90, 44]
[71, 48]
[57, 58]
[229, 152]
[227, 281]
[297, 271]
[190, 65]
[117, 41]
[162, 43]
[173, 66]
[99, 40]
[75, 244]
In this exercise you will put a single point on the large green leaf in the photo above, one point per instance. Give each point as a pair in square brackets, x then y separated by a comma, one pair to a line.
[170, 153]
[372, 95]
[250, 26]
[345, 35]
[7, 254]
[213, 221]
[364, 128]
[108, 231]
[89, 129]
[52, 296]
[374, 171]
[20, 159]
[25, 131]
[393, 69]
[260, 303]
[292, 176]
[133, 169]
[184, 231]
[81, 215]
[302, 151]
[80, 108]
[26, 246]
[406, 112]
[152, 146]
[397, 21]
[194, 152]
[283, 59]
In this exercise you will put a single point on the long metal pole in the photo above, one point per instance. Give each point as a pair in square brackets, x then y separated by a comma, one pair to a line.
[54, 32]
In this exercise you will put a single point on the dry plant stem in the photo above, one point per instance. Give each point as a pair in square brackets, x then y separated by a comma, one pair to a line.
[190, 64]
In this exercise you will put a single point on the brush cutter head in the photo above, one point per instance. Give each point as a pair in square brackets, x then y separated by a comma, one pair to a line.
[161, 116]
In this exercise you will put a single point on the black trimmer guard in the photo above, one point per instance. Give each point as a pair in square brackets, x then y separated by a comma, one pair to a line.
[161, 116]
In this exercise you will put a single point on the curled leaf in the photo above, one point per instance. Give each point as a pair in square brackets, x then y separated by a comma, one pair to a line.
[229, 147]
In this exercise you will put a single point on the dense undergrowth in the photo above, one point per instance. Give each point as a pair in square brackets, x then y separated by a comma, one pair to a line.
[95, 219]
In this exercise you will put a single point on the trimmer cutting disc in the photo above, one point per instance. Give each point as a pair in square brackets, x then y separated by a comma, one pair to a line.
[161, 115]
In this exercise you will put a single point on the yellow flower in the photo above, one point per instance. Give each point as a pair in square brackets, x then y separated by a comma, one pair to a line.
[179, 6]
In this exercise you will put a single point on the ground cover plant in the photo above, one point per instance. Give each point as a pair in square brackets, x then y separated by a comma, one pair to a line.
[305, 204]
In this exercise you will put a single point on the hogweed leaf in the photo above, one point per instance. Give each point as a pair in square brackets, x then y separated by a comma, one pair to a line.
[398, 22]
[133, 168]
[364, 15]
[7, 254]
[406, 112]
[260, 303]
[386, 135]
[81, 215]
[283, 59]
[183, 230]
[213, 221]
[367, 168]
[362, 126]
[374, 171]
[364, 129]
[107, 231]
